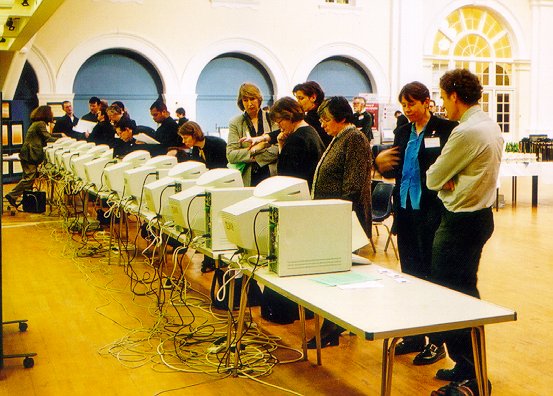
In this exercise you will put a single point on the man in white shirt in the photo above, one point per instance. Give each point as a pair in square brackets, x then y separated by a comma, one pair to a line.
[465, 176]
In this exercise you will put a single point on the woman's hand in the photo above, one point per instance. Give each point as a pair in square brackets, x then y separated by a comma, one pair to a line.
[253, 141]
[281, 139]
[387, 160]
[256, 148]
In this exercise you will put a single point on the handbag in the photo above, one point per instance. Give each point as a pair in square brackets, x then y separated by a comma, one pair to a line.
[34, 201]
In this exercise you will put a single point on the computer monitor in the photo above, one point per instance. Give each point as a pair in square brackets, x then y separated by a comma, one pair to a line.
[58, 161]
[134, 180]
[68, 157]
[300, 243]
[188, 206]
[78, 165]
[239, 218]
[162, 161]
[137, 158]
[216, 199]
[59, 144]
[180, 177]
[113, 176]
[94, 171]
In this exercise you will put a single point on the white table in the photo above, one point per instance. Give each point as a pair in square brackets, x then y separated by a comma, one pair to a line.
[390, 312]
[533, 169]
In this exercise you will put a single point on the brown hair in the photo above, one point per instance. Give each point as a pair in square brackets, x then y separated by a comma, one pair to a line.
[311, 88]
[248, 90]
[464, 83]
[191, 128]
[414, 91]
[42, 113]
[287, 109]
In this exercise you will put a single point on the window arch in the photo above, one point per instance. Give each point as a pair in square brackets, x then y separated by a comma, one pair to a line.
[218, 85]
[473, 38]
[339, 75]
[118, 74]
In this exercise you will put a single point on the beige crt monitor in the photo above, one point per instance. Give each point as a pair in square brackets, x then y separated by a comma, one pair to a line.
[216, 199]
[309, 237]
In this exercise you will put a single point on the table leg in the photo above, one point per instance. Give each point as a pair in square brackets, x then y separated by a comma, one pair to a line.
[318, 338]
[388, 354]
[534, 191]
[480, 363]
[303, 333]
[240, 326]
[514, 191]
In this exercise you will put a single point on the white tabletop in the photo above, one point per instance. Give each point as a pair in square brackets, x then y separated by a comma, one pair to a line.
[402, 306]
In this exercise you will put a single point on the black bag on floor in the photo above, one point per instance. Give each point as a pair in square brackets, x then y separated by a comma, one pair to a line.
[34, 201]
[278, 309]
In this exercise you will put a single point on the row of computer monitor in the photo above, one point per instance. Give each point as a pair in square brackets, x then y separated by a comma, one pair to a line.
[276, 219]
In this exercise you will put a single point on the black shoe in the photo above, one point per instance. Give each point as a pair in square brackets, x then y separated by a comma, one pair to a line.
[430, 354]
[208, 265]
[468, 387]
[11, 201]
[332, 339]
[409, 346]
[456, 374]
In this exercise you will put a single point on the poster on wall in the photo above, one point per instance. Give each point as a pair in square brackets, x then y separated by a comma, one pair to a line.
[5, 168]
[5, 136]
[6, 111]
[17, 167]
[17, 133]
[57, 109]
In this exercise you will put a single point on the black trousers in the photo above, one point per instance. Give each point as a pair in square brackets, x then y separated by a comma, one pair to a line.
[457, 249]
[415, 236]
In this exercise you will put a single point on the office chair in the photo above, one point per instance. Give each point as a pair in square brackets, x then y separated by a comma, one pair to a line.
[382, 209]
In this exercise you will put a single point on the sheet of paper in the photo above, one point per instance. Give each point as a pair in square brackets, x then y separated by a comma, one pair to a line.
[343, 278]
[84, 126]
[142, 137]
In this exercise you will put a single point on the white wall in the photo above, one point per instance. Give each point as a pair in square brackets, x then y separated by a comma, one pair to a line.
[388, 38]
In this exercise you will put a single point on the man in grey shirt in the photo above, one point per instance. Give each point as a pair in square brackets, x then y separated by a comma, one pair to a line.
[465, 176]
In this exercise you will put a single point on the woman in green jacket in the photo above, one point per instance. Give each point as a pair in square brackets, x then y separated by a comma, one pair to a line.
[32, 151]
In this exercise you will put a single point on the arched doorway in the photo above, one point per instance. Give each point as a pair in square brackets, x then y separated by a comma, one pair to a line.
[217, 89]
[338, 75]
[118, 74]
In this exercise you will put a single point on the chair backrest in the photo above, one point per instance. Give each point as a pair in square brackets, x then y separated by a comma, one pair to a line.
[382, 201]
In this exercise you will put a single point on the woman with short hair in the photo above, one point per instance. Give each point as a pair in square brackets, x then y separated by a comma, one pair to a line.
[258, 162]
[344, 172]
[310, 95]
[211, 150]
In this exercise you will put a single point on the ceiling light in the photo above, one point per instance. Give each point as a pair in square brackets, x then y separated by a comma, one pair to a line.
[25, 3]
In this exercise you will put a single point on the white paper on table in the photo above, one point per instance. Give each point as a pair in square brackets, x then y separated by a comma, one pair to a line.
[363, 285]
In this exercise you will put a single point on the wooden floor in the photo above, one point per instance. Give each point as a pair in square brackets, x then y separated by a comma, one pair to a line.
[81, 308]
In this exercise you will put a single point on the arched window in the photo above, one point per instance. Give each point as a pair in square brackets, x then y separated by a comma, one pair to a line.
[341, 76]
[118, 74]
[474, 39]
[218, 85]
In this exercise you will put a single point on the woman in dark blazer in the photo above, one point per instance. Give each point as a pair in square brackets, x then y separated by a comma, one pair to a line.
[417, 210]
[103, 132]
[211, 150]
[300, 147]
[343, 172]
